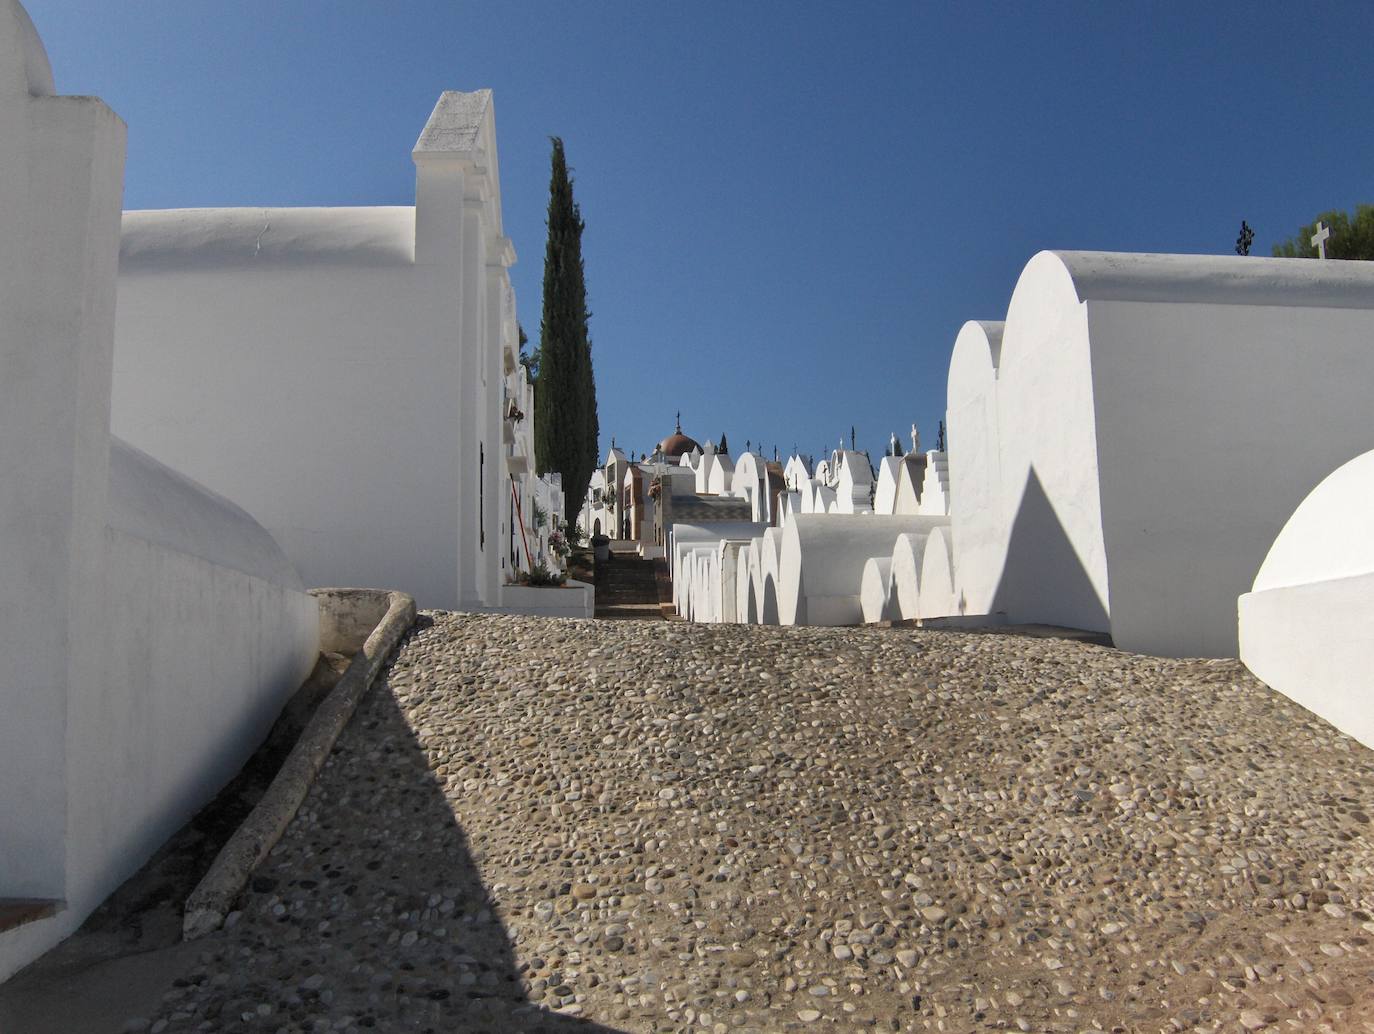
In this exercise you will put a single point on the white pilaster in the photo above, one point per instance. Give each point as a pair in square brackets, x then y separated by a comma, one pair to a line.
[61, 185]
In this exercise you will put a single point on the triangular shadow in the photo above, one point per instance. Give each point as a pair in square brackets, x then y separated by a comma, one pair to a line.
[1043, 581]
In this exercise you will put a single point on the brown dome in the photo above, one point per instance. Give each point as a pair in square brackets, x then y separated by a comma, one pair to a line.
[677, 444]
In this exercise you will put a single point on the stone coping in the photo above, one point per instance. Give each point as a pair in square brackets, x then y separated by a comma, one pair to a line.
[344, 618]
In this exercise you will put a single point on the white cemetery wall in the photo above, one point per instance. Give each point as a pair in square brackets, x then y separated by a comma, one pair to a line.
[885, 495]
[908, 559]
[207, 632]
[724, 590]
[744, 567]
[1052, 566]
[935, 500]
[1237, 401]
[975, 475]
[151, 629]
[313, 395]
[1305, 628]
[770, 558]
[875, 591]
[822, 560]
[1259, 400]
[337, 371]
[1160, 417]
[853, 483]
[61, 178]
[721, 479]
[910, 482]
[937, 597]
[750, 481]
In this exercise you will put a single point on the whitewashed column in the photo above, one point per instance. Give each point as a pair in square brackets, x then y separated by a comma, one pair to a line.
[61, 185]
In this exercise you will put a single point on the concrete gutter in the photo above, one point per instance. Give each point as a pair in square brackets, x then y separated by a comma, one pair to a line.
[368, 621]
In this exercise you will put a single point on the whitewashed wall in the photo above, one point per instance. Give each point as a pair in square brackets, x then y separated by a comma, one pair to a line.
[207, 631]
[1307, 626]
[975, 473]
[1159, 417]
[150, 629]
[339, 371]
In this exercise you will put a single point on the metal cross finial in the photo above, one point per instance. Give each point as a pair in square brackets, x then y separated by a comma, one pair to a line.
[1320, 238]
[679, 421]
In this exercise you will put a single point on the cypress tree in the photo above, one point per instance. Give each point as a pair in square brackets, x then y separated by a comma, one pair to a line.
[565, 427]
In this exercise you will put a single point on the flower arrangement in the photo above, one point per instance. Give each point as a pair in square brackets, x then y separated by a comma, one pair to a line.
[558, 542]
[540, 576]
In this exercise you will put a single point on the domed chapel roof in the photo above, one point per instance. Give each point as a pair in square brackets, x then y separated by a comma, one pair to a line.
[678, 444]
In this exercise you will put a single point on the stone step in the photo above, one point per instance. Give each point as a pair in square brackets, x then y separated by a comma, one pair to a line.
[627, 587]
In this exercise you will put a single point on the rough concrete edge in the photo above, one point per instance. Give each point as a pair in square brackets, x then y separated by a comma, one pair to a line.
[210, 902]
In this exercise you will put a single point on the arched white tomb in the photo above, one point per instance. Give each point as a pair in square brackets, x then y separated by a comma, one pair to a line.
[1307, 626]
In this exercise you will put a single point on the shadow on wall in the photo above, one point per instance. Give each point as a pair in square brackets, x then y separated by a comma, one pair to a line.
[375, 857]
[770, 602]
[1043, 581]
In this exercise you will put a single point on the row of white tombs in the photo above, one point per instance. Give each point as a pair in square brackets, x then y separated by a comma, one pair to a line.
[1171, 450]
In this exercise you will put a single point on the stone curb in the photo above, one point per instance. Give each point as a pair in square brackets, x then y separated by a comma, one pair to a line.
[213, 897]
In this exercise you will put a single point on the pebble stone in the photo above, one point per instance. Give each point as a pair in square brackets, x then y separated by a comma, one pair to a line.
[545, 825]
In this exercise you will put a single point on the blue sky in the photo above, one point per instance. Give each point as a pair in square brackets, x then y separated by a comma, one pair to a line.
[791, 207]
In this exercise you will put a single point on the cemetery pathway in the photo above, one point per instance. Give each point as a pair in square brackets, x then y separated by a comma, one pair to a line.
[633, 826]
[627, 587]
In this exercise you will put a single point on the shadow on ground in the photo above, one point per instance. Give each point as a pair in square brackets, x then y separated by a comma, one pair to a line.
[372, 907]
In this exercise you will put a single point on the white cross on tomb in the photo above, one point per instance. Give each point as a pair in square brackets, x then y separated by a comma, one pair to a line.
[1320, 238]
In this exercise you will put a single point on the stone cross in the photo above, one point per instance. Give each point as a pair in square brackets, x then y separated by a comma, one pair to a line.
[915, 439]
[1320, 238]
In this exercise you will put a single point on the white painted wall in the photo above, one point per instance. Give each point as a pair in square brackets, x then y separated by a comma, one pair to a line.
[821, 563]
[198, 660]
[1052, 562]
[372, 340]
[1239, 409]
[885, 492]
[1307, 627]
[875, 591]
[908, 559]
[750, 481]
[721, 479]
[61, 176]
[910, 482]
[935, 496]
[150, 629]
[975, 474]
[937, 597]
[853, 483]
[361, 362]
[1159, 416]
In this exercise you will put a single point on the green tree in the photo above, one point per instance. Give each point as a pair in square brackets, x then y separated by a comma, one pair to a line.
[565, 424]
[1350, 238]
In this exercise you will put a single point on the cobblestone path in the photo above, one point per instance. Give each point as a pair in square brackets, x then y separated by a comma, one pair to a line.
[633, 826]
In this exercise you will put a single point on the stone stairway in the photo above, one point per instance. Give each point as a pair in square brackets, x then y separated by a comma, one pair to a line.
[626, 587]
